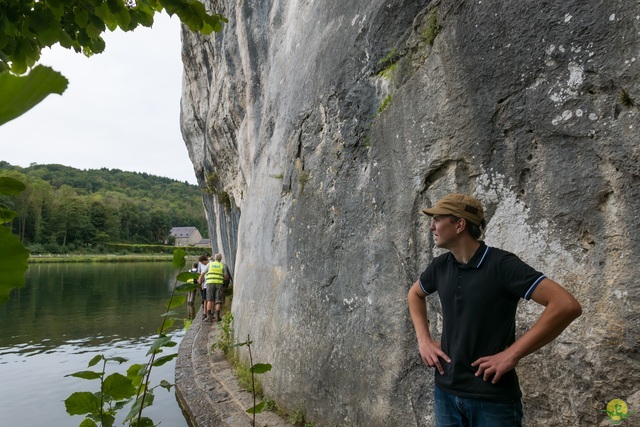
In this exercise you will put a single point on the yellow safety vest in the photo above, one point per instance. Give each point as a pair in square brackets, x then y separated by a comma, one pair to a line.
[215, 274]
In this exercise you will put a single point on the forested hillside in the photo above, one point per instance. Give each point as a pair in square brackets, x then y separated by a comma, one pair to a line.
[65, 209]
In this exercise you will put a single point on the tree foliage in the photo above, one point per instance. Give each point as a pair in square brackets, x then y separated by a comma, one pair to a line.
[20, 94]
[63, 208]
[13, 256]
[28, 26]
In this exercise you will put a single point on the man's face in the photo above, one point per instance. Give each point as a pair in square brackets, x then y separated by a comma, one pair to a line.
[443, 228]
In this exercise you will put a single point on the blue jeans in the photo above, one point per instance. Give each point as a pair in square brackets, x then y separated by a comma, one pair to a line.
[454, 411]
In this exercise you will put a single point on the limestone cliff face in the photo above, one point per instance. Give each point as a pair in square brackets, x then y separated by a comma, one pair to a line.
[319, 130]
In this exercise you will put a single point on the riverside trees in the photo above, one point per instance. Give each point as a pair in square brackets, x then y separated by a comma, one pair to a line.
[63, 208]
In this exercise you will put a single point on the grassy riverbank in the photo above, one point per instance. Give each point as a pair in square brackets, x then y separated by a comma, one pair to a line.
[100, 258]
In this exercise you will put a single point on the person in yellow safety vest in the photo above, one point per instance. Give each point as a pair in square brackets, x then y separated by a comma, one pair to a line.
[217, 278]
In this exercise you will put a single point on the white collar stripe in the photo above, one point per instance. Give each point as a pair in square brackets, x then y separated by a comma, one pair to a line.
[533, 287]
[483, 257]
[422, 287]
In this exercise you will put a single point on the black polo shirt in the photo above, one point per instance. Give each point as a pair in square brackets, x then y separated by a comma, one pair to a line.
[479, 301]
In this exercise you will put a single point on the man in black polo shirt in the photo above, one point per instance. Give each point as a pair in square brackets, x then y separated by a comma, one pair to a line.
[479, 289]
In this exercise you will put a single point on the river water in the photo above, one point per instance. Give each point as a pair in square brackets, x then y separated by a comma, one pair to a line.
[69, 313]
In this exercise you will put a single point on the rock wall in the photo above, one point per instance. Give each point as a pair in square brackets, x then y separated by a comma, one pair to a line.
[318, 131]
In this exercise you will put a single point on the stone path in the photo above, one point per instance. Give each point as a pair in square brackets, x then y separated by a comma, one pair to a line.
[206, 386]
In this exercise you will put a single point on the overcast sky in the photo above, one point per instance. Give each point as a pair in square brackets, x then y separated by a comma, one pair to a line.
[121, 109]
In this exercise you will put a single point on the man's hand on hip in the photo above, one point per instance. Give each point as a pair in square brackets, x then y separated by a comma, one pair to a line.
[431, 352]
[495, 366]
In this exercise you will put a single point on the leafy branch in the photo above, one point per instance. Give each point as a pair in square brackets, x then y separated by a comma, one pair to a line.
[117, 390]
[13, 254]
[258, 368]
[30, 26]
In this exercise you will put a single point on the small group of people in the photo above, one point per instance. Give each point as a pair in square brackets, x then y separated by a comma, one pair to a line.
[214, 279]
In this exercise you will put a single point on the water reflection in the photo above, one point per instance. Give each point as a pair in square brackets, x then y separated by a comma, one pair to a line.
[65, 315]
[88, 302]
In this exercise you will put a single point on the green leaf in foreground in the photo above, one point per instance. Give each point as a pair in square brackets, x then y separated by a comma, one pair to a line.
[118, 387]
[185, 276]
[166, 385]
[176, 301]
[7, 215]
[178, 258]
[260, 368]
[18, 94]
[13, 263]
[162, 341]
[257, 409]
[170, 313]
[10, 186]
[136, 373]
[140, 404]
[166, 325]
[87, 375]
[81, 403]
[95, 360]
[88, 422]
[187, 287]
[118, 359]
[107, 420]
[164, 359]
[144, 422]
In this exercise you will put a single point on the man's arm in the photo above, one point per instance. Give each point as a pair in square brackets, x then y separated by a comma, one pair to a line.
[561, 308]
[430, 350]
[203, 272]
